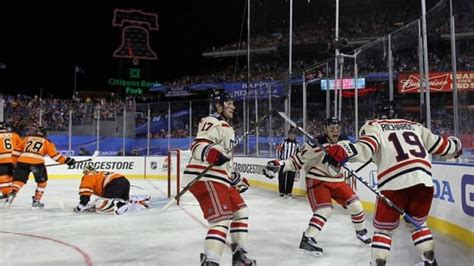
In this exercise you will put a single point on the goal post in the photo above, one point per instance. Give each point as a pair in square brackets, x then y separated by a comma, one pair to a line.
[177, 161]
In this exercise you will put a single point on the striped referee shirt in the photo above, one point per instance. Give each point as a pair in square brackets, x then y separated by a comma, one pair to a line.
[287, 149]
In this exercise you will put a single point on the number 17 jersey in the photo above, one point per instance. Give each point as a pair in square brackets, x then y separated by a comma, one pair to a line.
[402, 150]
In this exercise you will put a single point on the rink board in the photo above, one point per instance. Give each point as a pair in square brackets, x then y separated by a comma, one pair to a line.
[452, 210]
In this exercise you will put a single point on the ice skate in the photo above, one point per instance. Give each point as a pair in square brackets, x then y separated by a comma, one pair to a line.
[205, 262]
[10, 199]
[36, 204]
[363, 236]
[239, 257]
[428, 259]
[309, 245]
[378, 262]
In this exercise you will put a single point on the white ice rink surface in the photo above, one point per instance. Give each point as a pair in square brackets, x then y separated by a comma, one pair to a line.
[58, 236]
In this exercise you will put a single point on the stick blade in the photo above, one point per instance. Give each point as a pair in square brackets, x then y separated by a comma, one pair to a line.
[170, 202]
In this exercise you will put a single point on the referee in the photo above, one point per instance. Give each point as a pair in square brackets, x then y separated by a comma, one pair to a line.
[285, 150]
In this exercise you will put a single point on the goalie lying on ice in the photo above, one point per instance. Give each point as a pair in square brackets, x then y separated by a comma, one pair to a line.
[113, 190]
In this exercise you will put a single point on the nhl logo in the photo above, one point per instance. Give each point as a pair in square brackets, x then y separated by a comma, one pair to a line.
[153, 165]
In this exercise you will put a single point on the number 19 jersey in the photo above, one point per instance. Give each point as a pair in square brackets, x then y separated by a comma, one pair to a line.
[402, 150]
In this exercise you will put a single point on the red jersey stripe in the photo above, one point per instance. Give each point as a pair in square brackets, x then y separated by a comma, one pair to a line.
[400, 165]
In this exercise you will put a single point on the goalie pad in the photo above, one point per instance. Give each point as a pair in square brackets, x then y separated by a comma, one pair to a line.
[142, 201]
[111, 206]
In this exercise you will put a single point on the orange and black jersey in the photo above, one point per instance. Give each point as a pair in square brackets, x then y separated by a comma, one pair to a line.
[9, 141]
[95, 182]
[33, 149]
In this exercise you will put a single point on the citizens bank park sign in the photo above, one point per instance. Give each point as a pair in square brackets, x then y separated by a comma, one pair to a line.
[439, 82]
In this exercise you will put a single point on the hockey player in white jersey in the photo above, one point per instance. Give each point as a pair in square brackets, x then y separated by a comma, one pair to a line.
[322, 185]
[218, 190]
[402, 150]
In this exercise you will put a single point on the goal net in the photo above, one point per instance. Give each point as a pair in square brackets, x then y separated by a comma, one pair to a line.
[177, 161]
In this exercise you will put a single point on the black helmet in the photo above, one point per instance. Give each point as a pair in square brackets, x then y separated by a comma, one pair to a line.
[42, 131]
[332, 121]
[3, 126]
[386, 109]
[219, 97]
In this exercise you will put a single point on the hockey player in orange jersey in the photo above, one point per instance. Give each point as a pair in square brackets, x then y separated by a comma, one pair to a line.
[113, 190]
[30, 159]
[402, 150]
[8, 142]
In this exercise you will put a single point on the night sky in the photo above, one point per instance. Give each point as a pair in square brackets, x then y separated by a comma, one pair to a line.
[40, 43]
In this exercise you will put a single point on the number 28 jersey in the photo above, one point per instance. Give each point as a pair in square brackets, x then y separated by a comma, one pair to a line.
[33, 149]
[402, 150]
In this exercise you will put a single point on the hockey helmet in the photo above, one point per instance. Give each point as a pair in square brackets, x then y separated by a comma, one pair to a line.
[386, 109]
[332, 121]
[219, 97]
[332, 129]
[42, 131]
[88, 168]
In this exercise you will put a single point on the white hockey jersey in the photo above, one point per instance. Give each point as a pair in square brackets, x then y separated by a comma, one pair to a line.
[402, 150]
[310, 159]
[214, 131]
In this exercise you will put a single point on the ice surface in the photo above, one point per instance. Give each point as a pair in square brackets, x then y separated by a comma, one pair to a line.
[58, 236]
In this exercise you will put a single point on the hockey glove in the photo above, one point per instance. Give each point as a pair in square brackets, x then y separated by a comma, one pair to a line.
[272, 168]
[236, 177]
[70, 161]
[458, 146]
[335, 156]
[240, 183]
[243, 185]
[215, 157]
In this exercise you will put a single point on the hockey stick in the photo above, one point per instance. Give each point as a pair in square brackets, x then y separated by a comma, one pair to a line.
[94, 155]
[196, 179]
[349, 176]
[359, 169]
[353, 173]
[135, 186]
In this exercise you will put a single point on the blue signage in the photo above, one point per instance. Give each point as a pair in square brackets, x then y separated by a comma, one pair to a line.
[467, 194]
[347, 84]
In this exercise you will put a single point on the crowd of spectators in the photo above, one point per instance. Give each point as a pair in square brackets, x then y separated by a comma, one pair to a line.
[363, 24]
[23, 111]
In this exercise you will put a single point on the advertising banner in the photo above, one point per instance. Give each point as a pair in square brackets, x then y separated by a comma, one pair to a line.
[438, 82]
